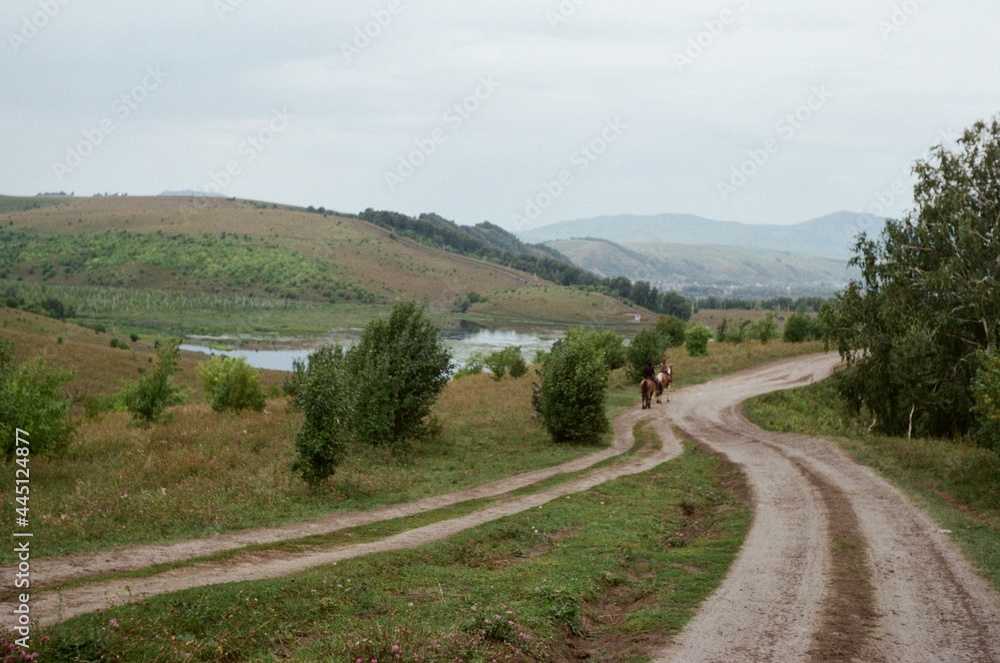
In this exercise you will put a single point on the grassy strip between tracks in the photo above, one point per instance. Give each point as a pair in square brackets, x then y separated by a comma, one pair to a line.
[955, 482]
[609, 572]
[643, 443]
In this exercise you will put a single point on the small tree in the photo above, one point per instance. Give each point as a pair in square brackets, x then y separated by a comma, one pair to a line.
[608, 343]
[397, 369]
[671, 330]
[506, 361]
[231, 384]
[31, 399]
[320, 389]
[799, 327]
[766, 329]
[154, 392]
[571, 395]
[696, 338]
[647, 346]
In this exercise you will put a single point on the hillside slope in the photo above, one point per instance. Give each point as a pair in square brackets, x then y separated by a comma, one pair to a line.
[242, 248]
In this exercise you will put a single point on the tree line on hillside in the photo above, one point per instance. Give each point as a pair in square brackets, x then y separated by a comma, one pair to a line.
[491, 243]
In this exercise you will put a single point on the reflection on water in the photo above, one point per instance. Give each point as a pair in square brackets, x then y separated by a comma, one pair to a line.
[462, 345]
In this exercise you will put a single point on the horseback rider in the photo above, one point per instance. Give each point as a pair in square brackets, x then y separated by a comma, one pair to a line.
[649, 373]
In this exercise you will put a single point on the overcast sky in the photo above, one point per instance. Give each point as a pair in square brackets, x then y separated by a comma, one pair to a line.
[516, 112]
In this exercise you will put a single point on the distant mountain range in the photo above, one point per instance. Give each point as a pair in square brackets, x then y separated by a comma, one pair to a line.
[679, 266]
[830, 237]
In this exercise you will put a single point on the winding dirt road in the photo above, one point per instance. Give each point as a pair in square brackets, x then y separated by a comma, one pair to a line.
[838, 565]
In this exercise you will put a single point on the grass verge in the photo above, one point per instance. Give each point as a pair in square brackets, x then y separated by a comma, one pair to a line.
[606, 573]
[953, 481]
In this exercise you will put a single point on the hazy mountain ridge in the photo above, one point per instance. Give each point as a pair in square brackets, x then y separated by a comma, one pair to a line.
[830, 236]
[677, 265]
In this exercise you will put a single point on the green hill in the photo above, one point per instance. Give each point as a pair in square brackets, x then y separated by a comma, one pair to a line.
[188, 264]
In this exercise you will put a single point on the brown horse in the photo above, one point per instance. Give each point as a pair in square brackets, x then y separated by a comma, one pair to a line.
[664, 379]
[646, 389]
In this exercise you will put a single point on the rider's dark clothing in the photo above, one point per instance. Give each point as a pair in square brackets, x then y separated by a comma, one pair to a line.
[648, 372]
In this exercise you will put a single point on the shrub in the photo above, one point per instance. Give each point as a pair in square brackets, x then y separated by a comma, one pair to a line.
[231, 384]
[320, 389]
[986, 392]
[647, 346]
[799, 327]
[30, 399]
[473, 366]
[696, 338]
[722, 330]
[608, 343]
[508, 360]
[154, 392]
[671, 330]
[571, 395]
[765, 329]
[397, 369]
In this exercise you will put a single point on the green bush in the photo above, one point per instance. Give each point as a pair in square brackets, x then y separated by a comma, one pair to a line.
[474, 365]
[799, 328]
[608, 343]
[397, 369]
[31, 399]
[671, 330]
[696, 338]
[647, 346]
[722, 330]
[508, 360]
[571, 395]
[154, 392]
[320, 389]
[986, 392]
[231, 384]
[765, 330]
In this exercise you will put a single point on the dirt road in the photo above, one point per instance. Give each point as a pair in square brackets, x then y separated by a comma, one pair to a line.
[838, 565]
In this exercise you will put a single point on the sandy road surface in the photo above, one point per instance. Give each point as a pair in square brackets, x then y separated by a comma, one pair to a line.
[838, 565]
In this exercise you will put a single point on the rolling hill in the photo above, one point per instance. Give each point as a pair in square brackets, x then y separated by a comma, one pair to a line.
[829, 237]
[251, 252]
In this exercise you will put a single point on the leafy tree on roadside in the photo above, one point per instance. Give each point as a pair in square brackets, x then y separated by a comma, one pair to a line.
[912, 330]
[397, 369]
[608, 343]
[696, 339]
[672, 330]
[798, 328]
[320, 388]
[571, 394]
[649, 345]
